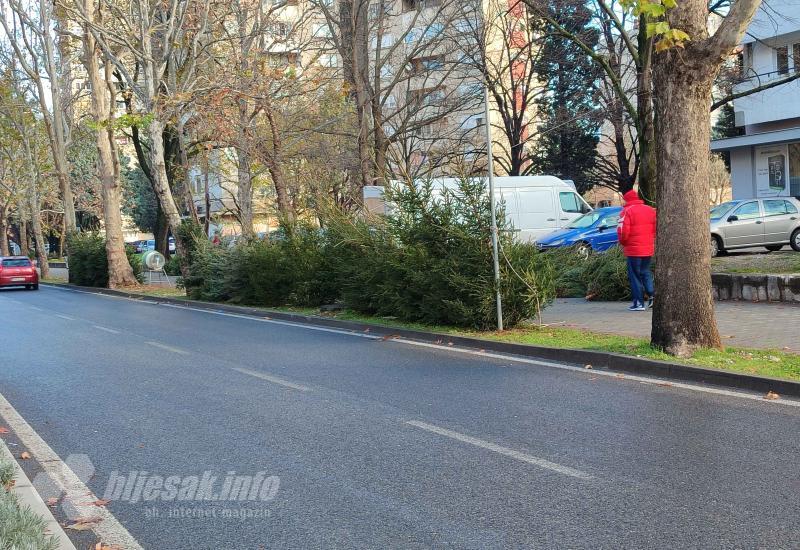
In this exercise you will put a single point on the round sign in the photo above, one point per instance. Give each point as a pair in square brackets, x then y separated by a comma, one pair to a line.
[153, 260]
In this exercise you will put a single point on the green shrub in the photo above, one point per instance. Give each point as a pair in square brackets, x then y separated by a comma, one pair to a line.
[173, 266]
[88, 263]
[600, 276]
[431, 261]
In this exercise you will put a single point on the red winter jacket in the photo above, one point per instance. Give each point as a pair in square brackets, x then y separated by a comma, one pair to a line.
[637, 227]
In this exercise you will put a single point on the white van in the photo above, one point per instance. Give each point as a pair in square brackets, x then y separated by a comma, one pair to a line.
[534, 205]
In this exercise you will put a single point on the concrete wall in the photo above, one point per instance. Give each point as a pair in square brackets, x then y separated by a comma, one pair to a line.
[743, 184]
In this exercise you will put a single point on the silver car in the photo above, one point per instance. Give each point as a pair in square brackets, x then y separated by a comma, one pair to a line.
[771, 223]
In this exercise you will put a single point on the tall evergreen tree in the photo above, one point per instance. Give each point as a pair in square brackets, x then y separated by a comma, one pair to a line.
[725, 127]
[567, 147]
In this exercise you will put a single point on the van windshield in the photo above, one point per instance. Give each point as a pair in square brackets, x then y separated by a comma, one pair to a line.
[587, 220]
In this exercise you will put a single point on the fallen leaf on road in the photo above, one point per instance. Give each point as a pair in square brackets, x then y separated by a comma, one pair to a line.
[84, 524]
[52, 501]
[619, 375]
[366, 330]
[587, 367]
[4, 430]
[25, 455]
[771, 395]
[664, 384]
[100, 502]
[104, 546]
[449, 343]
[592, 378]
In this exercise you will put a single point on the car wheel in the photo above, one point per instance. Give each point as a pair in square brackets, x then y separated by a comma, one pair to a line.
[716, 247]
[774, 247]
[795, 242]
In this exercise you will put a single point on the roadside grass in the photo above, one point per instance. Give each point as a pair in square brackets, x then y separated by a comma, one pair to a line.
[19, 526]
[783, 262]
[762, 362]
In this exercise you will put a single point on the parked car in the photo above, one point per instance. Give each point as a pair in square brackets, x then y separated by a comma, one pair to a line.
[595, 231]
[18, 271]
[771, 223]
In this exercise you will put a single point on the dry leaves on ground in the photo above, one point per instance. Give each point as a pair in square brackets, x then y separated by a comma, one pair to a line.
[25, 455]
[100, 502]
[85, 524]
[771, 395]
[4, 430]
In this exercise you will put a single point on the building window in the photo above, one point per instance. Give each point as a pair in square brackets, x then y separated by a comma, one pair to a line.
[782, 55]
[796, 57]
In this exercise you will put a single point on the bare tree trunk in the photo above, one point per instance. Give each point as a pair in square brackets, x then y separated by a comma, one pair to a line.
[24, 247]
[185, 180]
[276, 170]
[36, 225]
[683, 319]
[644, 98]
[244, 191]
[120, 273]
[206, 195]
[4, 249]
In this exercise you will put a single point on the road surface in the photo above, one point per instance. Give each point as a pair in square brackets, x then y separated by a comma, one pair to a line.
[373, 443]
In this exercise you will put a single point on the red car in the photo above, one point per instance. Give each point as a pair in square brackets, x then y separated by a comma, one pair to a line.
[18, 271]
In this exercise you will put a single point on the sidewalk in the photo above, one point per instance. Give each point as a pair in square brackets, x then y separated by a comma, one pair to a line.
[741, 324]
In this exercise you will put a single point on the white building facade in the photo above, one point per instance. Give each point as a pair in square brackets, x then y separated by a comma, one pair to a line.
[765, 162]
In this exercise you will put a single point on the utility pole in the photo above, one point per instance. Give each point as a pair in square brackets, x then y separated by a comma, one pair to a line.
[493, 202]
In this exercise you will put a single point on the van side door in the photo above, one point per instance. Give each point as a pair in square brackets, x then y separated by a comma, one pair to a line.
[536, 212]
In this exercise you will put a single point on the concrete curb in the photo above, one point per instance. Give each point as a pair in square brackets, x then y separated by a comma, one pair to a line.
[27, 496]
[598, 359]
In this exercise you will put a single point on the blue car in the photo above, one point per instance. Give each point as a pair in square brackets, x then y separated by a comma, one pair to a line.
[596, 230]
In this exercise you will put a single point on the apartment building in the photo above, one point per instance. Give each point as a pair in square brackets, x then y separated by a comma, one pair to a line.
[765, 161]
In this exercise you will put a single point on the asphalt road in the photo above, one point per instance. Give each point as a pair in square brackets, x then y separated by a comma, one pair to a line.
[383, 444]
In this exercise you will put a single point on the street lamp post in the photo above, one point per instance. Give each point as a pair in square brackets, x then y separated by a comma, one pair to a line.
[493, 203]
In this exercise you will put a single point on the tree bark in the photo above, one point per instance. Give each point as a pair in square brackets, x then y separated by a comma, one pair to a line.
[646, 136]
[4, 249]
[244, 172]
[683, 319]
[24, 246]
[120, 273]
[36, 226]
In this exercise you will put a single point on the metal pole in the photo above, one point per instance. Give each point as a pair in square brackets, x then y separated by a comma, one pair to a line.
[493, 202]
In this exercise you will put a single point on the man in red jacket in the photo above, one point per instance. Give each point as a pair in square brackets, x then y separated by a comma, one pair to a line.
[637, 235]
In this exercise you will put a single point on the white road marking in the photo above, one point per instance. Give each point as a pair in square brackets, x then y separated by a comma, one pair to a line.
[513, 358]
[273, 379]
[489, 446]
[277, 322]
[109, 530]
[653, 381]
[168, 348]
[106, 329]
[67, 317]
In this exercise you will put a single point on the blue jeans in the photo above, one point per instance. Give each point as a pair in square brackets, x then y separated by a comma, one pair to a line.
[641, 279]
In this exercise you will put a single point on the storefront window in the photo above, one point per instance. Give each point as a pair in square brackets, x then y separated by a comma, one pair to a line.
[794, 169]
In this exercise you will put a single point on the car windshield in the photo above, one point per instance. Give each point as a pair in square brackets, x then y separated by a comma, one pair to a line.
[587, 220]
[16, 263]
[719, 210]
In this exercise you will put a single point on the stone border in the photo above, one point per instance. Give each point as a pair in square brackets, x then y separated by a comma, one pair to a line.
[27, 496]
[756, 287]
[598, 359]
